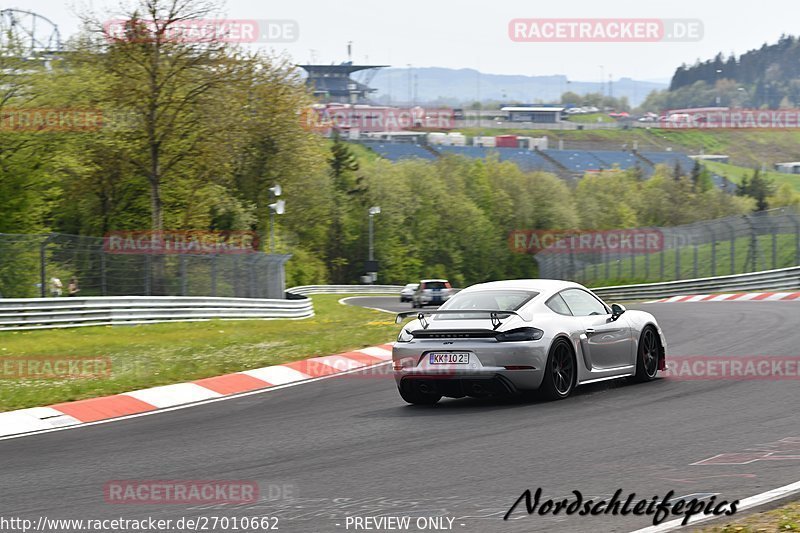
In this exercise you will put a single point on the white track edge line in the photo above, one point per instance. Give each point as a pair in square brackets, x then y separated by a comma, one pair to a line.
[747, 503]
[342, 301]
[193, 404]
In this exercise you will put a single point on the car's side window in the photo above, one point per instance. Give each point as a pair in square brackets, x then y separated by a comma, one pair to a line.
[557, 304]
[581, 303]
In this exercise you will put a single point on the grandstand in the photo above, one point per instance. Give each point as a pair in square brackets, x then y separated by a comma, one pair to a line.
[575, 162]
[608, 159]
[569, 164]
[401, 151]
[525, 159]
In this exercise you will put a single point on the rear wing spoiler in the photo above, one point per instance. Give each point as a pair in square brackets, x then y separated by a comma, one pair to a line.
[494, 314]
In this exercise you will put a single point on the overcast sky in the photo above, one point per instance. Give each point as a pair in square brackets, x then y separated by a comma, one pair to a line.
[474, 34]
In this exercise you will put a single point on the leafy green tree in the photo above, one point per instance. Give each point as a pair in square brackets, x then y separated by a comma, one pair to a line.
[758, 187]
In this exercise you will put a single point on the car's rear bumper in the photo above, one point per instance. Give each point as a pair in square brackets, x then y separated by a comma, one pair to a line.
[459, 383]
[514, 366]
[458, 387]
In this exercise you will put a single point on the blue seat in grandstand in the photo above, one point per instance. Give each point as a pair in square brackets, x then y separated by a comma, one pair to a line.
[609, 159]
[526, 159]
[576, 161]
[475, 152]
[401, 151]
[670, 159]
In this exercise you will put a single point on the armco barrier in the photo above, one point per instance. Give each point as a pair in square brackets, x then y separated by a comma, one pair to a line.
[345, 289]
[782, 278]
[43, 313]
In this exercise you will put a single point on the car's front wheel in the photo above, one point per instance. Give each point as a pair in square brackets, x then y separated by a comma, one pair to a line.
[560, 371]
[647, 355]
[415, 396]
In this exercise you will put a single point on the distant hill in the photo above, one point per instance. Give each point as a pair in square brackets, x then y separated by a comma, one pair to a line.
[462, 86]
[768, 76]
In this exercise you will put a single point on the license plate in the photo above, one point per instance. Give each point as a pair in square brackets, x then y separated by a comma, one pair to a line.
[448, 358]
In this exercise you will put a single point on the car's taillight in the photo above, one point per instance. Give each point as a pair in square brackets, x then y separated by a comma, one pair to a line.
[520, 334]
[404, 336]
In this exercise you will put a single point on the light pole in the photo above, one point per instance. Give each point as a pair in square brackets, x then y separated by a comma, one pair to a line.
[374, 210]
[602, 81]
[277, 208]
[719, 99]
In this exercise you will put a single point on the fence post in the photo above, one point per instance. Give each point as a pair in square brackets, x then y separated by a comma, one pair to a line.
[774, 250]
[43, 267]
[796, 223]
[713, 252]
[733, 246]
[252, 276]
[678, 261]
[214, 275]
[147, 267]
[183, 274]
[103, 280]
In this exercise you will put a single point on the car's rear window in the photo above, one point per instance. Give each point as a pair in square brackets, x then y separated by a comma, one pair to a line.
[436, 285]
[502, 300]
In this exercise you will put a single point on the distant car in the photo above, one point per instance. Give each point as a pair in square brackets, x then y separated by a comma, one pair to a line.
[520, 336]
[431, 292]
[407, 292]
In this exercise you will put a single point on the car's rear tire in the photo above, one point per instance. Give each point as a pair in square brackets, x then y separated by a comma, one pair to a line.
[415, 397]
[560, 371]
[647, 355]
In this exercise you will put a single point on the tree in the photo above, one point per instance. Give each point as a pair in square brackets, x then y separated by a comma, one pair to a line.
[757, 187]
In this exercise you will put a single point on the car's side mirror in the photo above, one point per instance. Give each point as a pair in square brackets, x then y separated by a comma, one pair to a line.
[616, 311]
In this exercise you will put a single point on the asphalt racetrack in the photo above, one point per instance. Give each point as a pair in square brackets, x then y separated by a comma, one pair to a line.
[349, 445]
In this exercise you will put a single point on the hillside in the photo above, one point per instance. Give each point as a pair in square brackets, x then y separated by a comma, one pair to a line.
[745, 148]
[462, 86]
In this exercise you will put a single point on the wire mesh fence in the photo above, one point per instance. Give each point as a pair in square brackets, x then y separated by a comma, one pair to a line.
[732, 245]
[47, 266]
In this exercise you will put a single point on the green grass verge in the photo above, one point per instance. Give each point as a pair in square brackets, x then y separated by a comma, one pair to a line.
[160, 354]
[646, 269]
[736, 173]
[785, 518]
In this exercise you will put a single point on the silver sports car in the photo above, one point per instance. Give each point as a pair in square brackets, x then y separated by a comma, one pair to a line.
[519, 336]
